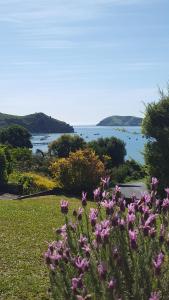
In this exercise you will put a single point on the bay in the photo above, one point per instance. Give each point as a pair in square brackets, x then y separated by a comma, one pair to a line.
[132, 137]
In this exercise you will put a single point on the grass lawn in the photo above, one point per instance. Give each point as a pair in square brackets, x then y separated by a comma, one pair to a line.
[25, 228]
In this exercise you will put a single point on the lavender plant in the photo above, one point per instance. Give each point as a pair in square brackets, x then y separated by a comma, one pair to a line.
[117, 250]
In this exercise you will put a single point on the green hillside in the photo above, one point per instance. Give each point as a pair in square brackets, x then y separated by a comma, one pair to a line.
[121, 121]
[36, 123]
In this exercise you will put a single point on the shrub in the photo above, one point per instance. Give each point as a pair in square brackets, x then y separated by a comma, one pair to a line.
[3, 167]
[80, 171]
[32, 182]
[130, 170]
[66, 144]
[118, 251]
[112, 147]
[21, 158]
[16, 136]
[156, 128]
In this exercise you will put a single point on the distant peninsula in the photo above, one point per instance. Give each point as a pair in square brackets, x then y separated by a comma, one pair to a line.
[121, 121]
[36, 123]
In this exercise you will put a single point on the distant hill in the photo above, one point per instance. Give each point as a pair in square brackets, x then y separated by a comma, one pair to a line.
[36, 123]
[120, 121]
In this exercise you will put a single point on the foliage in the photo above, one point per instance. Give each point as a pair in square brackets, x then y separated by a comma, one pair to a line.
[156, 128]
[66, 144]
[16, 136]
[80, 171]
[118, 251]
[3, 167]
[7, 152]
[41, 163]
[130, 170]
[112, 147]
[32, 182]
[21, 158]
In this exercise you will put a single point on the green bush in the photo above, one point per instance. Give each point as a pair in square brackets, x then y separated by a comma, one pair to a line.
[156, 128]
[32, 182]
[21, 159]
[82, 170]
[16, 136]
[113, 148]
[130, 170]
[3, 168]
[66, 144]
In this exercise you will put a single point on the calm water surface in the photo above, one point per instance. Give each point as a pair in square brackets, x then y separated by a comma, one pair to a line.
[130, 135]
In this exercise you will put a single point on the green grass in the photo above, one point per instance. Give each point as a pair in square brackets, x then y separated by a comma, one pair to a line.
[25, 228]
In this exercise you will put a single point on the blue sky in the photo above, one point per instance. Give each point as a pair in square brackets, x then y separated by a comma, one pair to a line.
[82, 60]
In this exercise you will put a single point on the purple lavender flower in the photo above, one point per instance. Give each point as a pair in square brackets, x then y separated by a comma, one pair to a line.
[146, 211]
[157, 263]
[122, 204]
[108, 205]
[152, 232]
[47, 257]
[98, 233]
[146, 229]
[84, 199]
[154, 296]
[102, 270]
[130, 220]
[64, 206]
[97, 193]
[55, 259]
[133, 238]
[79, 213]
[121, 224]
[165, 204]
[105, 181]
[105, 233]
[83, 240]
[87, 250]
[112, 284]
[115, 220]
[76, 284]
[151, 220]
[82, 264]
[131, 208]
[154, 183]
[61, 230]
[117, 191]
[93, 216]
[167, 191]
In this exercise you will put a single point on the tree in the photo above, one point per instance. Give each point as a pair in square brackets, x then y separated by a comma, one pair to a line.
[155, 127]
[16, 136]
[66, 144]
[81, 171]
[21, 158]
[3, 167]
[110, 147]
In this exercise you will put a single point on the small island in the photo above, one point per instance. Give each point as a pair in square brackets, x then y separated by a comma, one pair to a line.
[36, 123]
[121, 121]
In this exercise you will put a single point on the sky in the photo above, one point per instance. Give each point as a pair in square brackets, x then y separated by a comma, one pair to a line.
[82, 60]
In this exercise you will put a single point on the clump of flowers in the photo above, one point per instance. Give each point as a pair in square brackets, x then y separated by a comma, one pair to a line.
[118, 249]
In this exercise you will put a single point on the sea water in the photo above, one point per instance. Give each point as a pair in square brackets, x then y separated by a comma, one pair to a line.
[132, 137]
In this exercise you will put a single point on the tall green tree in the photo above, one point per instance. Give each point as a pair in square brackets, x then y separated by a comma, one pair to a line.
[3, 167]
[155, 127]
[66, 144]
[16, 136]
[110, 147]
